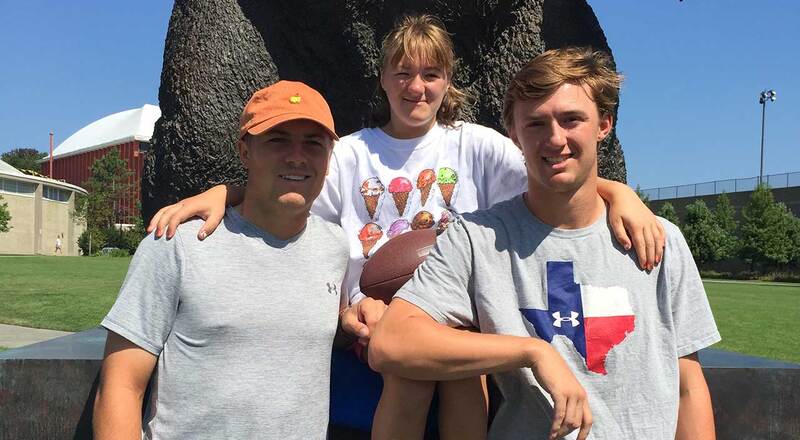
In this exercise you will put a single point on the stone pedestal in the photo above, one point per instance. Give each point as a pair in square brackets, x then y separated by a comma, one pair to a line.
[47, 392]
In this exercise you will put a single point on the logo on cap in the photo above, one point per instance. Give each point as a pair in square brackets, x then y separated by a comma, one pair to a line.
[294, 99]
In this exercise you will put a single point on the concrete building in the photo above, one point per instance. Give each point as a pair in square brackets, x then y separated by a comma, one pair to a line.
[128, 131]
[42, 210]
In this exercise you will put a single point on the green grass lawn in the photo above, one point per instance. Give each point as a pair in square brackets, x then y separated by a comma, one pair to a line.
[59, 293]
[74, 293]
[757, 319]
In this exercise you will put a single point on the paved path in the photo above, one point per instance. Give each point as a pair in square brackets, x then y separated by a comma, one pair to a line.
[12, 336]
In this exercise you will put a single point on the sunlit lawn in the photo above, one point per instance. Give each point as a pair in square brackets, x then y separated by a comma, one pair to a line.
[59, 293]
[762, 320]
[74, 293]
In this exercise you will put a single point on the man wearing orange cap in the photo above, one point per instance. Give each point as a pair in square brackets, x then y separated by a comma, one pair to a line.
[232, 334]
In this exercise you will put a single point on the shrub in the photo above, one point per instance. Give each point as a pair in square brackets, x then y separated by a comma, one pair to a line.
[706, 239]
[98, 241]
[124, 239]
[770, 232]
[668, 212]
[5, 216]
[119, 253]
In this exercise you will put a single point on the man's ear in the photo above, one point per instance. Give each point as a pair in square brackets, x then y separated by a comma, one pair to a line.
[606, 124]
[244, 153]
[330, 155]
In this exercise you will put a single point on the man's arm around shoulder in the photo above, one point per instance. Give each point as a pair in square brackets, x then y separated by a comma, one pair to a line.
[695, 416]
[123, 380]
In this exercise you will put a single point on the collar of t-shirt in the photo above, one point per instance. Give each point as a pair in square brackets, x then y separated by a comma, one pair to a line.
[537, 224]
[380, 136]
[238, 224]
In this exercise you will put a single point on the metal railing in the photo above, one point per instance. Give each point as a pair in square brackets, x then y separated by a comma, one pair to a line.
[784, 180]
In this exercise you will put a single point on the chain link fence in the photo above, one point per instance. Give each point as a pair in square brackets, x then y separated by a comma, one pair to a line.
[784, 180]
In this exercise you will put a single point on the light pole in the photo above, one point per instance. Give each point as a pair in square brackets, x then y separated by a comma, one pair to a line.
[766, 95]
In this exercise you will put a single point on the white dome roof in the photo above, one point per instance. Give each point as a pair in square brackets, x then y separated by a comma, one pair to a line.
[127, 126]
[9, 171]
[5, 168]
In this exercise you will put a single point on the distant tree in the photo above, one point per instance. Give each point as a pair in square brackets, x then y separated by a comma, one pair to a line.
[668, 212]
[642, 196]
[768, 231]
[705, 237]
[5, 216]
[725, 213]
[794, 233]
[725, 216]
[106, 186]
[23, 158]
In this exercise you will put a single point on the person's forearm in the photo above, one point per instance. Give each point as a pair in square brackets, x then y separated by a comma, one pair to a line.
[695, 415]
[117, 414]
[609, 189]
[421, 349]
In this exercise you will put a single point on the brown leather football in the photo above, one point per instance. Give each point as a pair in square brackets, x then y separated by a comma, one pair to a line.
[394, 263]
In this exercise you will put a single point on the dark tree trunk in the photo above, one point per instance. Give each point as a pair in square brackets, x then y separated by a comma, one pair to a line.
[218, 52]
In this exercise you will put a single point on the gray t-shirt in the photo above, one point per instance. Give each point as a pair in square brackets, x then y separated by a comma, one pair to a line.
[620, 329]
[242, 324]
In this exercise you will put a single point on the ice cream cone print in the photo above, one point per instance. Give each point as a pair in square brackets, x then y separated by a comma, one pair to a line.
[423, 220]
[447, 192]
[398, 227]
[447, 179]
[371, 190]
[400, 187]
[425, 183]
[369, 235]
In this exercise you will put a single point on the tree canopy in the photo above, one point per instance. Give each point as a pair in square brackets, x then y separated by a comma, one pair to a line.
[23, 158]
[107, 185]
[725, 216]
[704, 236]
[770, 233]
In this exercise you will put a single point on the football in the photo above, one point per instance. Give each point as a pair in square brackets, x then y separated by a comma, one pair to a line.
[394, 263]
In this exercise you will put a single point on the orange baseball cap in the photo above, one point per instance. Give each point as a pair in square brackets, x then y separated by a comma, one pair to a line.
[281, 102]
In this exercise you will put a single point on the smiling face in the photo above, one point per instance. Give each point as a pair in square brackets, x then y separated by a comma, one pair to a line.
[415, 89]
[287, 164]
[558, 136]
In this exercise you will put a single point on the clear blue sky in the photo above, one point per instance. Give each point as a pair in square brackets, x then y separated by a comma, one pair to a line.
[689, 110]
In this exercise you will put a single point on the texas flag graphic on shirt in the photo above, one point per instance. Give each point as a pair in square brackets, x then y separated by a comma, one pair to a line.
[595, 319]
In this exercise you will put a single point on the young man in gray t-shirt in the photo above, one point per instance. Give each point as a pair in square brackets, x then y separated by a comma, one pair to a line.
[234, 333]
[542, 273]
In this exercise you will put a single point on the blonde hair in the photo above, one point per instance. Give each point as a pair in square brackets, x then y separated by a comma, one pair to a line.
[552, 69]
[423, 37]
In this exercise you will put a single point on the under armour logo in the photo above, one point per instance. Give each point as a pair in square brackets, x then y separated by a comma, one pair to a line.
[332, 289]
[572, 319]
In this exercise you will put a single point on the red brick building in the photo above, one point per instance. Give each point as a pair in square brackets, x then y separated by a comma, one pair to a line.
[129, 132]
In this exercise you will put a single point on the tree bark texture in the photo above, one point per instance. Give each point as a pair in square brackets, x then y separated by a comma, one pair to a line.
[218, 52]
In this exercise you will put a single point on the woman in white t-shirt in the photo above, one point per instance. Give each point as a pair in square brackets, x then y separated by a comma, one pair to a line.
[416, 168]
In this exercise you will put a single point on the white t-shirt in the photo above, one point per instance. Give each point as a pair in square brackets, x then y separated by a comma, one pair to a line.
[378, 186]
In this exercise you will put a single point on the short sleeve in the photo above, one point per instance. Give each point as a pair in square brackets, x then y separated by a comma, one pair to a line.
[441, 285]
[328, 204]
[148, 300]
[691, 313]
[502, 167]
